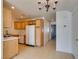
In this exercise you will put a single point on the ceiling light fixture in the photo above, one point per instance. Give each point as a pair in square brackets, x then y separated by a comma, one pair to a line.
[47, 5]
[13, 7]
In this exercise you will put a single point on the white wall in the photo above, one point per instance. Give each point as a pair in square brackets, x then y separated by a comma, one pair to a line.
[50, 30]
[46, 32]
[75, 32]
[64, 34]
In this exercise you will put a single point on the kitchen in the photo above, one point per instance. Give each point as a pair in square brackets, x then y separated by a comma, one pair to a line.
[20, 30]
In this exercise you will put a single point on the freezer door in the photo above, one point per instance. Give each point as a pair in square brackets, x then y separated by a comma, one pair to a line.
[30, 34]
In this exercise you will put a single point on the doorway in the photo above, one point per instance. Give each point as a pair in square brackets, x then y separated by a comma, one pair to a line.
[53, 31]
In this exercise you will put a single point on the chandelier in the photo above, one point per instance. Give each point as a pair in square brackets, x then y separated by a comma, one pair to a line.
[47, 5]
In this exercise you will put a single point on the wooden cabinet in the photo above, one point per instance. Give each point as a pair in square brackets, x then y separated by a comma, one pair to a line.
[10, 47]
[39, 33]
[38, 23]
[22, 25]
[7, 17]
[31, 22]
[19, 25]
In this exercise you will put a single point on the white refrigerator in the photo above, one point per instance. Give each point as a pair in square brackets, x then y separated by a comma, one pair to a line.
[30, 35]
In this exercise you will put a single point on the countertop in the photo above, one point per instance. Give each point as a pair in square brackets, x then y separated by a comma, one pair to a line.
[10, 38]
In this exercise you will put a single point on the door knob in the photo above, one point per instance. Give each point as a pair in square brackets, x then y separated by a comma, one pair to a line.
[76, 39]
[64, 25]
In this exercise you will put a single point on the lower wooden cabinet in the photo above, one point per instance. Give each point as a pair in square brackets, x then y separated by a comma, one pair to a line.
[10, 47]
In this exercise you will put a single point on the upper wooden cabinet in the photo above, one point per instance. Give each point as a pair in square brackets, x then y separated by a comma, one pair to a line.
[7, 17]
[32, 22]
[38, 23]
[23, 25]
[19, 25]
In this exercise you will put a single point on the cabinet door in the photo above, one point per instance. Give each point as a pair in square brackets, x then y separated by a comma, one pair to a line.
[39, 33]
[10, 48]
[38, 23]
[17, 25]
[22, 25]
[7, 17]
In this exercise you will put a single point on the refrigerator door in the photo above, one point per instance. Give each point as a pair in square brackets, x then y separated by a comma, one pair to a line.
[30, 34]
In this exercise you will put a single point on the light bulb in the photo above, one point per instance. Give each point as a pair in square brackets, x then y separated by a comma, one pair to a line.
[13, 7]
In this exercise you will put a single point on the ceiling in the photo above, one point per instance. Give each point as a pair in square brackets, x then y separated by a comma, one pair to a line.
[69, 5]
[30, 9]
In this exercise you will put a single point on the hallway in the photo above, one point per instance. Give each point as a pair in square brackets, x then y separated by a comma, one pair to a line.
[47, 52]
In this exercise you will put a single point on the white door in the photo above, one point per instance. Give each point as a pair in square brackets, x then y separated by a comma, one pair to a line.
[63, 31]
[30, 34]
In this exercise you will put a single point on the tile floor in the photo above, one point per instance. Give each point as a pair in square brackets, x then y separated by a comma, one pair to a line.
[47, 52]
